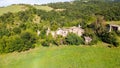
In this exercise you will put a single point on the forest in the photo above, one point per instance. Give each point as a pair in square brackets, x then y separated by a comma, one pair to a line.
[18, 31]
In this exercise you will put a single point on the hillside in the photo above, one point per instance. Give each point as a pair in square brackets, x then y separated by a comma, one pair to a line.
[12, 8]
[22, 7]
[60, 35]
[46, 8]
[63, 57]
[64, 23]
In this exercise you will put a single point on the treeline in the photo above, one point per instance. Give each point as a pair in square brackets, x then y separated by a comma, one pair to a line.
[78, 9]
[18, 31]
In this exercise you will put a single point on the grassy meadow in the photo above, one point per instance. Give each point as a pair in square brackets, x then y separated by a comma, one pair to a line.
[113, 22]
[46, 8]
[63, 57]
[17, 8]
[12, 8]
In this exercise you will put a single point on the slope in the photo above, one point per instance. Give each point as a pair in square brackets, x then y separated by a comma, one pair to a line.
[63, 57]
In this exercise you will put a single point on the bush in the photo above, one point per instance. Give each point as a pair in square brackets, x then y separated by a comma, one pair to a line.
[110, 37]
[43, 33]
[17, 30]
[29, 38]
[59, 40]
[73, 39]
[48, 40]
[11, 44]
[90, 33]
[118, 33]
[46, 43]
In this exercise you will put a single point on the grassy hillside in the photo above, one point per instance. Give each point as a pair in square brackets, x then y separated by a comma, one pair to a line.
[113, 22]
[63, 57]
[17, 8]
[12, 8]
[46, 8]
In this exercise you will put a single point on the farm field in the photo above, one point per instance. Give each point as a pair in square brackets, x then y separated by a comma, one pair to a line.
[63, 57]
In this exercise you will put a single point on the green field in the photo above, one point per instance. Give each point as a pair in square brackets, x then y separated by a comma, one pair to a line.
[113, 22]
[17, 8]
[46, 8]
[12, 8]
[63, 57]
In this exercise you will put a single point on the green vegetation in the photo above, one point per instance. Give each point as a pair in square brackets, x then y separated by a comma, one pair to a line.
[46, 8]
[113, 22]
[27, 27]
[63, 57]
[24, 25]
[18, 43]
[73, 39]
[12, 8]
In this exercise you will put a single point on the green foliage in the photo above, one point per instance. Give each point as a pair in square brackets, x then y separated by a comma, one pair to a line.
[26, 16]
[29, 38]
[47, 41]
[110, 38]
[118, 33]
[43, 33]
[18, 43]
[11, 44]
[13, 9]
[73, 39]
[90, 33]
[59, 40]
[17, 30]
[4, 32]
[7, 18]
[15, 25]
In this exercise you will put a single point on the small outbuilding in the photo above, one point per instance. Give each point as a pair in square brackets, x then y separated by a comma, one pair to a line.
[114, 27]
[87, 39]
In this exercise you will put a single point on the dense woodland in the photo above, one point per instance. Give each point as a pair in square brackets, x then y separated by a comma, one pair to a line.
[18, 31]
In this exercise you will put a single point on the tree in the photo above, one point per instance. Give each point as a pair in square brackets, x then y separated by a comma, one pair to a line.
[73, 39]
[17, 30]
[29, 38]
[110, 38]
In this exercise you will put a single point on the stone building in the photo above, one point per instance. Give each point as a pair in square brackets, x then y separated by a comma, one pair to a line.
[65, 31]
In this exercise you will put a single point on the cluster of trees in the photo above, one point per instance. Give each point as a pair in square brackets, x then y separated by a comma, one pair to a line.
[86, 10]
[19, 43]
[70, 39]
[18, 31]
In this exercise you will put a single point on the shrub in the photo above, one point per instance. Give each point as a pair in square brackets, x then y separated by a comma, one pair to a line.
[45, 43]
[43, 33]
[73, 39]
[11, 44]
[48, 40]
[17, 30]
[59, 40]
[110, 37]
[29, 38]
[90, 33]
[118, 33]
